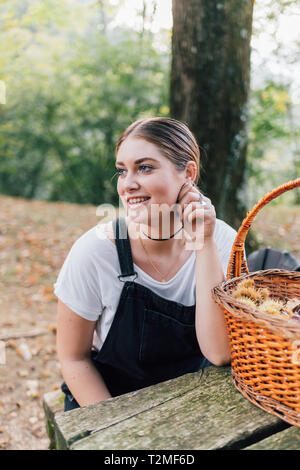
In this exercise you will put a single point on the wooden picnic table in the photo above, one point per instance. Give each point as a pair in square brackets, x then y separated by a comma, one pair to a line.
[198, 411]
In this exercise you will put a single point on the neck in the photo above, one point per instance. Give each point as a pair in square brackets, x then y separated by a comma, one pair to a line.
[163, 227]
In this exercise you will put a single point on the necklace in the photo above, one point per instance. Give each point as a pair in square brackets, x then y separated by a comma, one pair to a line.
[163, 239]
[163, 277]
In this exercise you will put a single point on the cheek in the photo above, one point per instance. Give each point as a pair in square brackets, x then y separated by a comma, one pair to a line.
[120, 187]
[163, 189]
[166, 186]
[158, 188]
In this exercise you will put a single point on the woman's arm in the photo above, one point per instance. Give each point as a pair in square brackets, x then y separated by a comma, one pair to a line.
[199, 224]
[74, 343]
[210, 322]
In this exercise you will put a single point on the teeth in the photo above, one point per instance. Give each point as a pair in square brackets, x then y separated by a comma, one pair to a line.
[136, 200]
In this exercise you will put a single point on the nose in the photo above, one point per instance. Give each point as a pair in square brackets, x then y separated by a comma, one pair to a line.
[129, 183]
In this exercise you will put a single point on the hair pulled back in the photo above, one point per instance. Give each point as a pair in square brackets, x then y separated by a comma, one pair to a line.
[172, 137]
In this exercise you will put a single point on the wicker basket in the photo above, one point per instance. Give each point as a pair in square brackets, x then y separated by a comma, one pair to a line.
[265, 349]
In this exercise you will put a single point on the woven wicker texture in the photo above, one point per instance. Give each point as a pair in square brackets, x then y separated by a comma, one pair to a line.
[265, 349]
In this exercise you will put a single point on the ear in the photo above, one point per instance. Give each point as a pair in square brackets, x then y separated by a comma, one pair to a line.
[191, 171]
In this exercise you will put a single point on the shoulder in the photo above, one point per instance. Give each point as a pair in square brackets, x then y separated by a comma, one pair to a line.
[224, 236]
[107, 231]
[223, 229]
[93, 245]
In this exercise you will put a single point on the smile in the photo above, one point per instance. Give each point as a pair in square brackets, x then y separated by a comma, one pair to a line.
[134, 201]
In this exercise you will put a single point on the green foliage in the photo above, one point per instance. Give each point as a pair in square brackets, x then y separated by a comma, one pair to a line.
[272, 158]
[274, 147]
[74, 82]
[267, 119]
[70, 94]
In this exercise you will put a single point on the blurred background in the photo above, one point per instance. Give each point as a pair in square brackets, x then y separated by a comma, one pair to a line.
[77, 72]
[73, 75]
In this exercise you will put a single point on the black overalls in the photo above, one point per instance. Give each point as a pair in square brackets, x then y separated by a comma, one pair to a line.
[151, 339]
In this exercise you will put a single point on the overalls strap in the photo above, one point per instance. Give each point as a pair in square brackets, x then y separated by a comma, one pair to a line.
[123, 248]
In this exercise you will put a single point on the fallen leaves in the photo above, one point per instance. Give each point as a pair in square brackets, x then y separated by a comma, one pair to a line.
[23, 373]
[38, 345]
[4, 443]
[31, 255]
[31, 280]
[37, 430]
[32, 388]
[52, 328]
[45, 374]
[24, 352]
[44, 293]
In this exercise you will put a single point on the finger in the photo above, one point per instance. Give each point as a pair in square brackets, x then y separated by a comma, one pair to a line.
[191, 195]
[195, 203]
[206, 202]
[196, 214]
[186, 187]
[181, 191]
[205, 199]
[187, 196]
[184, 191]
[192, 206]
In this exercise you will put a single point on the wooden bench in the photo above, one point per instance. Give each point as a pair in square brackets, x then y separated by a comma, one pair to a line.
[202, 410]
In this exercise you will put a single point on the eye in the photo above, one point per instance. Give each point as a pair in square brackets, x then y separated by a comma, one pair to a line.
[120, 171]
[142, 168]
[146, 168]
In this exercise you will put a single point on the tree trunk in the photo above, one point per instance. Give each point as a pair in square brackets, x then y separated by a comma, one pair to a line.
[209, 91]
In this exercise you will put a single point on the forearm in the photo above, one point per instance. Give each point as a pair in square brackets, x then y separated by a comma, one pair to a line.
[210, 322]
[84, 381]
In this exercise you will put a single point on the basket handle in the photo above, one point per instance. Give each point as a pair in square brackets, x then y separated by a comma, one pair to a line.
[237, 263]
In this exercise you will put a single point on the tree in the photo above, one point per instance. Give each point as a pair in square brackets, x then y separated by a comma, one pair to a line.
[66, 107]
[209, 90]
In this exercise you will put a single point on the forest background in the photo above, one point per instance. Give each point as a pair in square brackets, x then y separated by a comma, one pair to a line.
[75, 73]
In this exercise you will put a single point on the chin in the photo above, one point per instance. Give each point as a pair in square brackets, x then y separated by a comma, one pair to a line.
[137, 216]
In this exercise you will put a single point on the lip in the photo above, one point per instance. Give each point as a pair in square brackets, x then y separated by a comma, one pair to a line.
[137, 204]
[136, 197]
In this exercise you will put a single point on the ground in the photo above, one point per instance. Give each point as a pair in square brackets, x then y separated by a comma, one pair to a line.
[34, 240]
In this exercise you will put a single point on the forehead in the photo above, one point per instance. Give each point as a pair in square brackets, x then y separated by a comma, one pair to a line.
[135, 148]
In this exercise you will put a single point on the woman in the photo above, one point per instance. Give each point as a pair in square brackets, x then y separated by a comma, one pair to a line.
[135, 305]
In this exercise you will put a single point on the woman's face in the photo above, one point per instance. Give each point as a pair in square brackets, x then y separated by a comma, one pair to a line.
[146, 178]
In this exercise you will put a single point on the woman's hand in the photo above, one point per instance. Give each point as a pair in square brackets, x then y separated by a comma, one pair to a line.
[198, 216]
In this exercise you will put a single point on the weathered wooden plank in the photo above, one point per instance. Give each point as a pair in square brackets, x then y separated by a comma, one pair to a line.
[214, 415]
[53, 402]
[78, 423]
[289, 439]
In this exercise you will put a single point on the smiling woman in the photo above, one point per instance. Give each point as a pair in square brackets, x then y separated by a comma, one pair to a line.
[153, 154]
[134, 303]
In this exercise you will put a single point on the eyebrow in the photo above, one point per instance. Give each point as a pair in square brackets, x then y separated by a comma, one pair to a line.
[140, 160]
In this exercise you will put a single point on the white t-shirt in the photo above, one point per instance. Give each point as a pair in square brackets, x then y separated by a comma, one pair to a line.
[88, 281]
